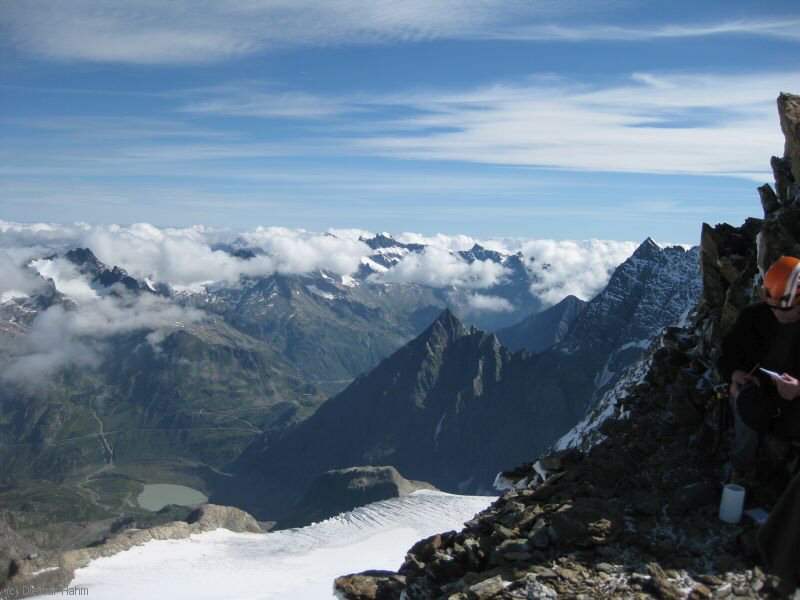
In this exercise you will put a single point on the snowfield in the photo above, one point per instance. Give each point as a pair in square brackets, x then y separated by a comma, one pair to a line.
[288, 564]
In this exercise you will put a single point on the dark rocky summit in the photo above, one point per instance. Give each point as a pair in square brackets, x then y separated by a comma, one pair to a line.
[631, 511]
[105, 278]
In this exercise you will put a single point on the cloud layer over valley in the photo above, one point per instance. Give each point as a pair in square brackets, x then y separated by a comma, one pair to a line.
[75, 329]
[78, 336]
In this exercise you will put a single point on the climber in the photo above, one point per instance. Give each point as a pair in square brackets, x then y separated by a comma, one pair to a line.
[779, 538]
[761, 359]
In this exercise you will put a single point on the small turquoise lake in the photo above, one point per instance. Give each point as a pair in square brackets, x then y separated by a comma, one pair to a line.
[157, 495]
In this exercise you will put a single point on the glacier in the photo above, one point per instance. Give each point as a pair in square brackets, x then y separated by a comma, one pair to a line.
[292, 563]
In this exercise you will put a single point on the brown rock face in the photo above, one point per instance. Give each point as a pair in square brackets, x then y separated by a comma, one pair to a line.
[781, 232]
[789, 110]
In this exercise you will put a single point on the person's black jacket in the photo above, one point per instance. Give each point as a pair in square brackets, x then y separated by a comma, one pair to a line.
[752, 342]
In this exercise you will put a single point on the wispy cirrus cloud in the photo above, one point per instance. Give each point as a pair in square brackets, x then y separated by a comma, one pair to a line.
[116, 128]
[660, 123]
[270, 102]
[655, 123]
[707, 124]
[152, 32]
[786, 28]
[202, 31]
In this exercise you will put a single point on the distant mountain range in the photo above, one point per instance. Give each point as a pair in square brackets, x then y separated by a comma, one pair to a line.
[231, 375]
[454, 406]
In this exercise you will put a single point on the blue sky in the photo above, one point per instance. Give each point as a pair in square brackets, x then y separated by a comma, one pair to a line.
[539, 119]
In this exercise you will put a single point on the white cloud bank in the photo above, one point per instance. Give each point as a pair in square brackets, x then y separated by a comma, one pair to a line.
[486, 303]
[558, 268]
[578, 268]
[76, 336]
[16, 281]
[438, 268]
[184, 257]
[297, 251]
[200, 31]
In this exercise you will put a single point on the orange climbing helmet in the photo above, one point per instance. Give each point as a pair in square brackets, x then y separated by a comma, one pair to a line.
[782, 281]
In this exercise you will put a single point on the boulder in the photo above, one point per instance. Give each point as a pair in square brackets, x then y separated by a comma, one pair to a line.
[340, 490]
[369, 585]
[587, 522]
[209, 517]
[488, 588]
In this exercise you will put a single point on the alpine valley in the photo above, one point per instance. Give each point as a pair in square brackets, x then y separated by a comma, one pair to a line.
[252, 387]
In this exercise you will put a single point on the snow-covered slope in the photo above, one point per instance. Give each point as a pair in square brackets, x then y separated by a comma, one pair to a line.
[587, 432]
[294, 563]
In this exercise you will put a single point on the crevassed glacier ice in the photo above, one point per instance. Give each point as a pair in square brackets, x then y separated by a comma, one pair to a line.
[295, 563]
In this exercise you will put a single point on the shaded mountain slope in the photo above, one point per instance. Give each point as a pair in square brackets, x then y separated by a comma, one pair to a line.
[539, 331]
[423, 411]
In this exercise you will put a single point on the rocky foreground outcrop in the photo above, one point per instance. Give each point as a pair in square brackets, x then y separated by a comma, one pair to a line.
[635, 514]
[48, 571]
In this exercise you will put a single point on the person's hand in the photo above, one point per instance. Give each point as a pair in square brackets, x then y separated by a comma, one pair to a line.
[788, 387]
[738, 379]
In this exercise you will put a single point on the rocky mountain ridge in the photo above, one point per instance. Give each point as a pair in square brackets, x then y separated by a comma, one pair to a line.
[631, 511]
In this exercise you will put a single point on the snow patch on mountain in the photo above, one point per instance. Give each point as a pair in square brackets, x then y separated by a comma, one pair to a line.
[318, 292]
[587, 432]
[66, 277]
[377, 268]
